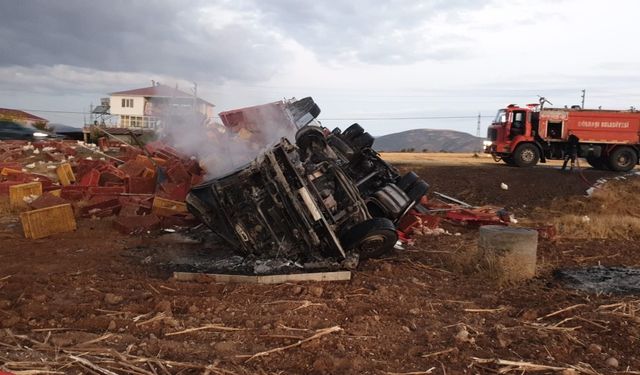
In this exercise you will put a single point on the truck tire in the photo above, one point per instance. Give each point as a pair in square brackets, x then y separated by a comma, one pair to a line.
[372, 238]
[526, 155]
[339, 145]
[598, 162]
[364, 140]
[623, 159]
[407, 180]
[417, 190]
[352, 131]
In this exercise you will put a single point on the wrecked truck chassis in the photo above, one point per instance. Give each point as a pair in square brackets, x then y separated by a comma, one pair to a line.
[329, 195]
[270, 209]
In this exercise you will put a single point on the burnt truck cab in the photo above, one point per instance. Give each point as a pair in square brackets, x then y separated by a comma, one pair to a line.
[513, 136]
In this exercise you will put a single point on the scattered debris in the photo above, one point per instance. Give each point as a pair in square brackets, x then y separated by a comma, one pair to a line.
[128, 186]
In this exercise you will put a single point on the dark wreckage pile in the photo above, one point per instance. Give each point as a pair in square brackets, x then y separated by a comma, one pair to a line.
[328, 195]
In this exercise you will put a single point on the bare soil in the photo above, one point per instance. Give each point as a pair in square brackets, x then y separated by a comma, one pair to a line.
[94, 293]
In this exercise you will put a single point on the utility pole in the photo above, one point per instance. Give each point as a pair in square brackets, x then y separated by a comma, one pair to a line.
[584, 92]
[478, 129]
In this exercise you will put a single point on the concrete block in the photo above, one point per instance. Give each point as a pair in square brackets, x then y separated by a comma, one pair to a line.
[507, 253]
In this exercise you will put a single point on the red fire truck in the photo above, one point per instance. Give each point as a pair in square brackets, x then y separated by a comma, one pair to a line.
[523, 136]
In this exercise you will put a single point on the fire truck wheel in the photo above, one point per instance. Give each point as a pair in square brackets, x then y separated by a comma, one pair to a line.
[623, 159]
[372, 238]
[526, 155]
[598, 162]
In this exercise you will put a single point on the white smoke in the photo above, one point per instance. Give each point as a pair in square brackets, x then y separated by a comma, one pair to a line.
[221, 150]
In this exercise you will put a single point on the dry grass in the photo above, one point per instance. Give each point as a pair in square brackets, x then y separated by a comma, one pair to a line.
[612, 212]
[600, 226]
[449, 158]
[437, 158]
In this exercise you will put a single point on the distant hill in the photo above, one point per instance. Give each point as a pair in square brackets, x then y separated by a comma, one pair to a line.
[432, 140]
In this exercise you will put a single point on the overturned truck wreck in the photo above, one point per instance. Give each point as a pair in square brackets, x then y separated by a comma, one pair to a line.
[329, 195]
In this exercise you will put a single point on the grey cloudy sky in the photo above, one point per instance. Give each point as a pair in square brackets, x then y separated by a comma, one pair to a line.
[359, 59]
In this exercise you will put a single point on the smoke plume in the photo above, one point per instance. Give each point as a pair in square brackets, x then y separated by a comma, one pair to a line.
[221, 149]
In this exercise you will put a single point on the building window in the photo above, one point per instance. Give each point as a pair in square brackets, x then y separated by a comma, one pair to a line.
[124, 121]
[135, 122]
[127, 103]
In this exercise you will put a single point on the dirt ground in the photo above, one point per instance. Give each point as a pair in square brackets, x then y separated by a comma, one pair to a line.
[93, 300]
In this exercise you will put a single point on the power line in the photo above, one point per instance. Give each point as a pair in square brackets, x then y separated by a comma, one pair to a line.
[324, 119]
[402, 118]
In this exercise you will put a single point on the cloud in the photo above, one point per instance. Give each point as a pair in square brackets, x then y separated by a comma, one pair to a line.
[212, 41]
[390, 32]
[58, 79]
[163, 37]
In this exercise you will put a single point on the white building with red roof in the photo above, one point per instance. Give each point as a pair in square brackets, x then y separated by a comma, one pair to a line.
[147, 107]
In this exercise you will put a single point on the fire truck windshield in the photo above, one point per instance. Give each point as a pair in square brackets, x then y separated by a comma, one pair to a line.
[501, 117]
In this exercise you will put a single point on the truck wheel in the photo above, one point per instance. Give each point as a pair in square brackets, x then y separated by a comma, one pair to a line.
[371, 238]
[364, 140]
[417, 190]
[597, 162]
[407, 180]
[352, 131]
[337, 144]
[526, 155]
[307, 135]
[623, 159]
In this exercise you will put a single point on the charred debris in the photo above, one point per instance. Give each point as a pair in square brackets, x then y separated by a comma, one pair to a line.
[324, 196]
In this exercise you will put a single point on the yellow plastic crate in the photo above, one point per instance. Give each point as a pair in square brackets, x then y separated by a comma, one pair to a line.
[163, 205]
[17, 193]
[47, 221]
[65, 174]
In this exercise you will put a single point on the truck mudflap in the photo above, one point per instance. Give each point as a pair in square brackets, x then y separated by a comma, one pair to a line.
[543, 146]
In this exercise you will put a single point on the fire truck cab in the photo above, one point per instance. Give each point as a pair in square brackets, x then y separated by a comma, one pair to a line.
[524, 136]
